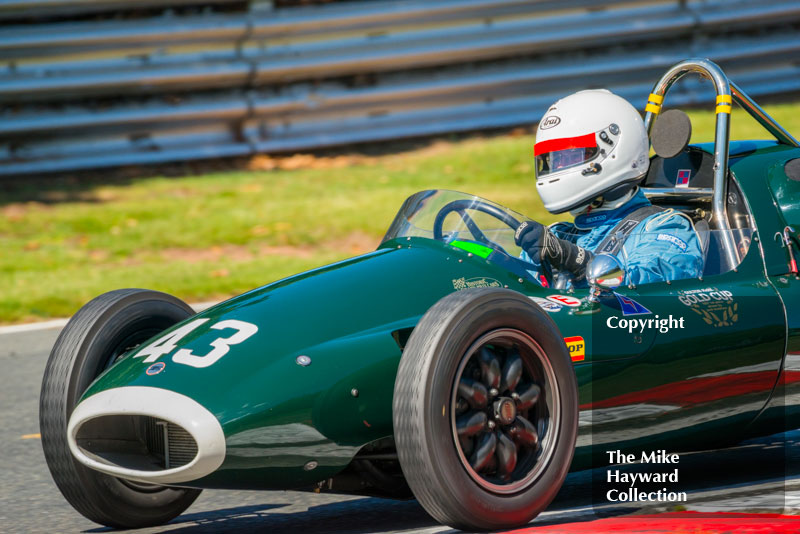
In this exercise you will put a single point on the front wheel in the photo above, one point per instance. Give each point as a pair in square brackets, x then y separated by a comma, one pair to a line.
[101, 331]
[485, 410]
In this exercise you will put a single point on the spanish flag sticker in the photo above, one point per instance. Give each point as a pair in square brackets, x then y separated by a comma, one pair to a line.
[577, 348]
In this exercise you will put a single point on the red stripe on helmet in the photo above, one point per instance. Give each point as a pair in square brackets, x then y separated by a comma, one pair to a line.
[554, 145]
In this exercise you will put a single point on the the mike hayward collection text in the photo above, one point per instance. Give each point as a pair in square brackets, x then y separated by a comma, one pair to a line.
[630, 492]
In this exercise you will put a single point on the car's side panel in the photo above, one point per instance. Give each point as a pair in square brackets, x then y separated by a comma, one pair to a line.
[279, 415]
[783, 411]
[771, 197]
[775, 202]
[785, 190]
[290, 425]
[703, 383]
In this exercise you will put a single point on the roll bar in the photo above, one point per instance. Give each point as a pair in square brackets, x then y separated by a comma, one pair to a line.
[727, 92]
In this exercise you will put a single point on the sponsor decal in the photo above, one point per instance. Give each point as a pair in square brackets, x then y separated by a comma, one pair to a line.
[155, 368]
[630, 306]
[669, 238]
[565, 300]
[581, 256]
[521, 229]
[547, 305]
[463, 283]
[708, 294]
[577, 348]
[550, 121]
[595, 218]
[716, 307]
[682, 180]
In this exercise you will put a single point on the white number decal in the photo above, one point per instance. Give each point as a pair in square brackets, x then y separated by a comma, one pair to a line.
[221, 344]
[169, 342]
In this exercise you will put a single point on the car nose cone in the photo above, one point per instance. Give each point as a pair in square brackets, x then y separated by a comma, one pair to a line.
[146, 434]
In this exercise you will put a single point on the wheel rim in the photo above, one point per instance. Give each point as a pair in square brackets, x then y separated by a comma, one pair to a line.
[127, 344]
[504, 411]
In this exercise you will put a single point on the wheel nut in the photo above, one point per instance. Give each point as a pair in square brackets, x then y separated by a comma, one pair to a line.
[491, 425]
[493, 392]
[515, 396]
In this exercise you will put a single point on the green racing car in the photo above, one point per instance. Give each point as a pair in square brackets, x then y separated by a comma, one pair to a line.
[438, 366]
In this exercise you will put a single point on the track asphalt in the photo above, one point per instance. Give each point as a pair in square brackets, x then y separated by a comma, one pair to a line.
[718, 483]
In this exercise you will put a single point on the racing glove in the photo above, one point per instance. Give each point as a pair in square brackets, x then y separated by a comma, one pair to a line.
[540, 243]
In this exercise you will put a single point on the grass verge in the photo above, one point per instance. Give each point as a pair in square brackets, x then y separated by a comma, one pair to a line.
[219, 234]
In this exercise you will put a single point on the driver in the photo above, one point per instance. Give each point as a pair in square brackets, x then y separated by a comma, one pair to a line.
[591, 150]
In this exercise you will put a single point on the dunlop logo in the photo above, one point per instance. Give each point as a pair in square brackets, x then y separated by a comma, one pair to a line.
[577, 348]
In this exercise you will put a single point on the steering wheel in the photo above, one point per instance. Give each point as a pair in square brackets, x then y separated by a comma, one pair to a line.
[461, 207]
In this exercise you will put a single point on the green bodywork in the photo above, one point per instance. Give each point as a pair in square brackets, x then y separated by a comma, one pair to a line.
[679, 389]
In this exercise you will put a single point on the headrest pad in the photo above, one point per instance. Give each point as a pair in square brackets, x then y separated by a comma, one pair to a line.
[671, 133]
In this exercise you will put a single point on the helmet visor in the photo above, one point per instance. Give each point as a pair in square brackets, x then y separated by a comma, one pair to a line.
[557, 154]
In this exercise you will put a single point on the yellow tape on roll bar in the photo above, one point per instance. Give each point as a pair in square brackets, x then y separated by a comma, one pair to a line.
[724, 103]
[654, 103]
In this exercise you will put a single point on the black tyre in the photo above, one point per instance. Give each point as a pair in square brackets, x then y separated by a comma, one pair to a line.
[485, 410]
[102, 330]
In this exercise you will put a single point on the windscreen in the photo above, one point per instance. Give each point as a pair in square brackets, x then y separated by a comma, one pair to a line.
[450, 216]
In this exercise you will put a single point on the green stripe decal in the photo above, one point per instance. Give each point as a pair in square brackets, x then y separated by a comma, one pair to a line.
[478, 250]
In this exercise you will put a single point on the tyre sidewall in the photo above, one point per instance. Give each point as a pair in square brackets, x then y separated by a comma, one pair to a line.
[475, 505]
[79, 356]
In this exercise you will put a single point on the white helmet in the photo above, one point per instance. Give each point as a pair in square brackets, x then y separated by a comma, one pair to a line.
[587, 145]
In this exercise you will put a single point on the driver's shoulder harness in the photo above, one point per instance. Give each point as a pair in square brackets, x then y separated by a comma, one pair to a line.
[564, 253]
[613, 241]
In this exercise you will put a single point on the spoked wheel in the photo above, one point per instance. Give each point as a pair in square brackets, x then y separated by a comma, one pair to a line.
[485, 410]
[503, 398]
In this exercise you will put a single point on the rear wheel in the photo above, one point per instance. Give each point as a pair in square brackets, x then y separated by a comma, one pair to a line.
[103, 330]
[485, 410]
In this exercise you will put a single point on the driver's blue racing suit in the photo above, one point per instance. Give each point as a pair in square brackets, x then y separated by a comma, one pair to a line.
[664, 246]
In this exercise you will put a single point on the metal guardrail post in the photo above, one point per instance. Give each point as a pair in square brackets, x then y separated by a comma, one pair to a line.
[199, 83]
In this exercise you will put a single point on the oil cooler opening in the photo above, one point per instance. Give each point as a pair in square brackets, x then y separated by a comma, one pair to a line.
[138, 442]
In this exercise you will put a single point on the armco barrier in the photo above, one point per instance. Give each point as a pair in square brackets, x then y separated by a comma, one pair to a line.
[171, 80]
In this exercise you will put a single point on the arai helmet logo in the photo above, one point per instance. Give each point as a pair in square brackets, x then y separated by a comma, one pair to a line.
[549, 122]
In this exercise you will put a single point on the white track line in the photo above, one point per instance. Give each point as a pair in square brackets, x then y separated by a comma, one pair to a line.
[60, 323]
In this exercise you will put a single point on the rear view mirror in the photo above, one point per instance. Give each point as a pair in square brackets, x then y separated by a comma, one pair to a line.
[604, 273]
